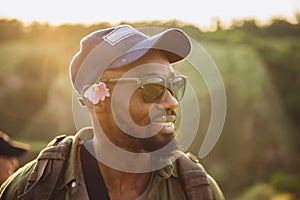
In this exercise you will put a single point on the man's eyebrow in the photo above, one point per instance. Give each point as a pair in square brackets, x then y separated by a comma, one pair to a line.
[148, 74]
[155, 74]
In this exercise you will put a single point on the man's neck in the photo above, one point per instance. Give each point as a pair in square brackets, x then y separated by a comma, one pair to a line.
[124, 185]
[125, 177]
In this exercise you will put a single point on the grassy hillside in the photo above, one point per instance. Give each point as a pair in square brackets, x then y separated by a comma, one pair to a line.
[258, 139]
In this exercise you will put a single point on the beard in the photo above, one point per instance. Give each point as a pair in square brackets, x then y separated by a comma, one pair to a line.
[160, 146]
[166, 143]
[162, 151]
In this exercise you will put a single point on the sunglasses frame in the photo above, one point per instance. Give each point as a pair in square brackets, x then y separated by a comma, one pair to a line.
[167, 84]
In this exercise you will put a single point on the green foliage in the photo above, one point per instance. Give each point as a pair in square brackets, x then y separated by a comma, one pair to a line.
[281, 187]
[25, 82]
[259, 192]
[283, 61]
[283, 182]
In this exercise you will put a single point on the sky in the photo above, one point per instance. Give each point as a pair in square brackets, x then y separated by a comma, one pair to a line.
[198, 12]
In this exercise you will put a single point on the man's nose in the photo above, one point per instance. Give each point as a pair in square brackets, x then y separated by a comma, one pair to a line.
[168, 101]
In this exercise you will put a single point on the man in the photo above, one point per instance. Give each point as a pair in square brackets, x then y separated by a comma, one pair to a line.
[9, 151]
[126, 81]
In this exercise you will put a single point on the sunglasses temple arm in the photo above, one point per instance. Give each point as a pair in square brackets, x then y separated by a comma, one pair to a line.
[115, 80]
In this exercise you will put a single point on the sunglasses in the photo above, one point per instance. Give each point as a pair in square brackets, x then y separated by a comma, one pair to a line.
[154, 87]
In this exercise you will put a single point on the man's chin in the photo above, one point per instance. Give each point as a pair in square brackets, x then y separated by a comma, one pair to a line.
[161, 148]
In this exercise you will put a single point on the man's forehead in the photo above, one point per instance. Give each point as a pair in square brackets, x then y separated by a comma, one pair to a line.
[159, 70]
[147, 69]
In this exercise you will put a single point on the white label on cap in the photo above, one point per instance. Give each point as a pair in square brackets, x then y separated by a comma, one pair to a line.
[119, 34]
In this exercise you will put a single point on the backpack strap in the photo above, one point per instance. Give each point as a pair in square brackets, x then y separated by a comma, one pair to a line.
[193, 178]
[48, 168]
[92, 175]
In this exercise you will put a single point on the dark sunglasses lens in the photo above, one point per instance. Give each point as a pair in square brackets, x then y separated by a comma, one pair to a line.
[178, 87]
[153, 92]
[153, 89]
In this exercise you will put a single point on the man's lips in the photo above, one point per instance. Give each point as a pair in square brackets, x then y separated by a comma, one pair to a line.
[167, 122]
[164, 119]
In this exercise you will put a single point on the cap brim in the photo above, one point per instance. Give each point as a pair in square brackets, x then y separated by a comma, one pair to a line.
[174, 43]
[12, 148]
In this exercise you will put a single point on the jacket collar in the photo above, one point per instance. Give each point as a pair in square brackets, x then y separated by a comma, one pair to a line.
[71, 172]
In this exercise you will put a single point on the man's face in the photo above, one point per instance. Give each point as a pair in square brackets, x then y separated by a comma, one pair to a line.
[149, 125]
[7, 166]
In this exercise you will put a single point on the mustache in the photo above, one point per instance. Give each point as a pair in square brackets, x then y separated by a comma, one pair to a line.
[162, 115]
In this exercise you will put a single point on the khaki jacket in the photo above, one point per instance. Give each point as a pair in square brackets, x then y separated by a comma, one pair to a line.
[165, 183]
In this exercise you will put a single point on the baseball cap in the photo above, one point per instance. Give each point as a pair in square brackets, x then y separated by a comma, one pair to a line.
[10, 147]
[115, 47]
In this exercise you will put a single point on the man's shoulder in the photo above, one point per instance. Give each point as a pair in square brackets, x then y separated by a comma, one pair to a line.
[16, 183]
[57, 149]
[215, 189]
[193, 175]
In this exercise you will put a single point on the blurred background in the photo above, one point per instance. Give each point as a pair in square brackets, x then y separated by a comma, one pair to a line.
[256, 51]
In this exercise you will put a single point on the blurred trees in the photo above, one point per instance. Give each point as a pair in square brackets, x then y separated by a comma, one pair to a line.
[273, 128]
[260, 65]
[10, 30]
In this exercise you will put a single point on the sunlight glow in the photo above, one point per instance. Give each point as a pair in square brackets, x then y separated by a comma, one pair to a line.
[201, 13]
